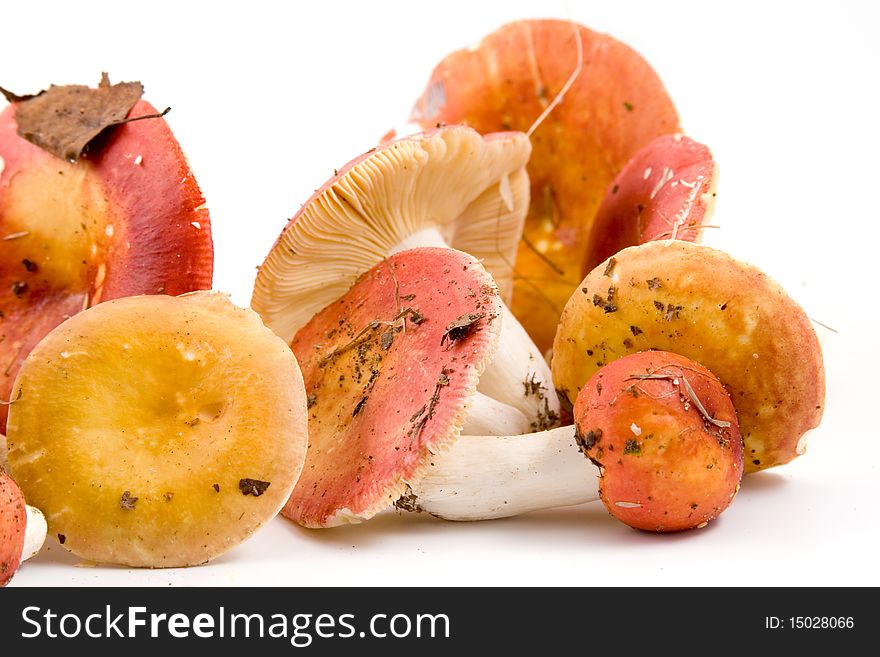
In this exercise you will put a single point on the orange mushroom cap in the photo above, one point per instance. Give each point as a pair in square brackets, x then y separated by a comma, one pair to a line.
[615, 106]
[664, 431]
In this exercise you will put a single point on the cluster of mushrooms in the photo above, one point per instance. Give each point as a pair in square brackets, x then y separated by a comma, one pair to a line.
[504, 311]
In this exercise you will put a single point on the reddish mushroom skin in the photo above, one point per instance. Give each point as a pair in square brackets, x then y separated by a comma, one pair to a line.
[13, 519]
[666, 191]
[382, 396]
[667, 463]
[127, 218]
[614, 107]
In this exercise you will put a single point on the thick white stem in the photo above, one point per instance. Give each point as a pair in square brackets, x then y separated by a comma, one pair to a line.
[426, 237]
[520, 377]
[483, 477]
[488, 417]
[518, 374]
[34, 532]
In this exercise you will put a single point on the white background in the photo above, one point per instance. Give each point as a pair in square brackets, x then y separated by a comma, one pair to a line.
[269, 97]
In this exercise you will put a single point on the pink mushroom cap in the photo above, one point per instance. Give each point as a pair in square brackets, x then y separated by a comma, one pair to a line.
[389, 368]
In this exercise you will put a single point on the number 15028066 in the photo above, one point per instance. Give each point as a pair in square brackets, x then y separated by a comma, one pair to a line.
[809, 622]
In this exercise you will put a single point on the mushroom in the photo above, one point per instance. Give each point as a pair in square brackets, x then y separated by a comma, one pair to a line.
[126, 218]
[613, 104]
[390, 370]
[673, 296]
[666, 191]
[158, 431]
[445, 187]
[22, 529]
[701, 303]
[664, 433]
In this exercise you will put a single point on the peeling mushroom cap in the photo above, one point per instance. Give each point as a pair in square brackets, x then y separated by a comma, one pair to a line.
[13, 520]
[701, 303]
[615, 106]
[389, 369]
[472, 190]
[158, 431]
[666, 191]
[128, 218]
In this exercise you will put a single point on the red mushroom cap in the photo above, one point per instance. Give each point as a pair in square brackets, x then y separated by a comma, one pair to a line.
[389, 369]
[666, 191]
[127, 218]
[13, 519]
[615, 106]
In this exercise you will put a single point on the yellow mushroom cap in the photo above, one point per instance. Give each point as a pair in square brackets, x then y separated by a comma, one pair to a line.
[158, 431]
[726, 315]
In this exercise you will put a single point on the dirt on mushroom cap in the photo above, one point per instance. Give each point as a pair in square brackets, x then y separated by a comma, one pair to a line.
[158, 431]
[664, 432]
[389, 369]
[615, 106]
[701, 303]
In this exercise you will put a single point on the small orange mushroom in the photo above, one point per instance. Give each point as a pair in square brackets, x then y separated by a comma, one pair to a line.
[664, 433]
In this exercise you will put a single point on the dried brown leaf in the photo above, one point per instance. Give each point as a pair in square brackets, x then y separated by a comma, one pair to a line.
[63, 120]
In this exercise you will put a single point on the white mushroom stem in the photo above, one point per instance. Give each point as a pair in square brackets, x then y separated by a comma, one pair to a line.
[518, 374]
[484, 477]
[34, 532]
[488, 416]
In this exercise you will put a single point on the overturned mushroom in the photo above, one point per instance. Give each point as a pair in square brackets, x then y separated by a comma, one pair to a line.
[612, 104]
[445, 187]
[22, 529]
[701, 303]
[391, 372]
[158, 431]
